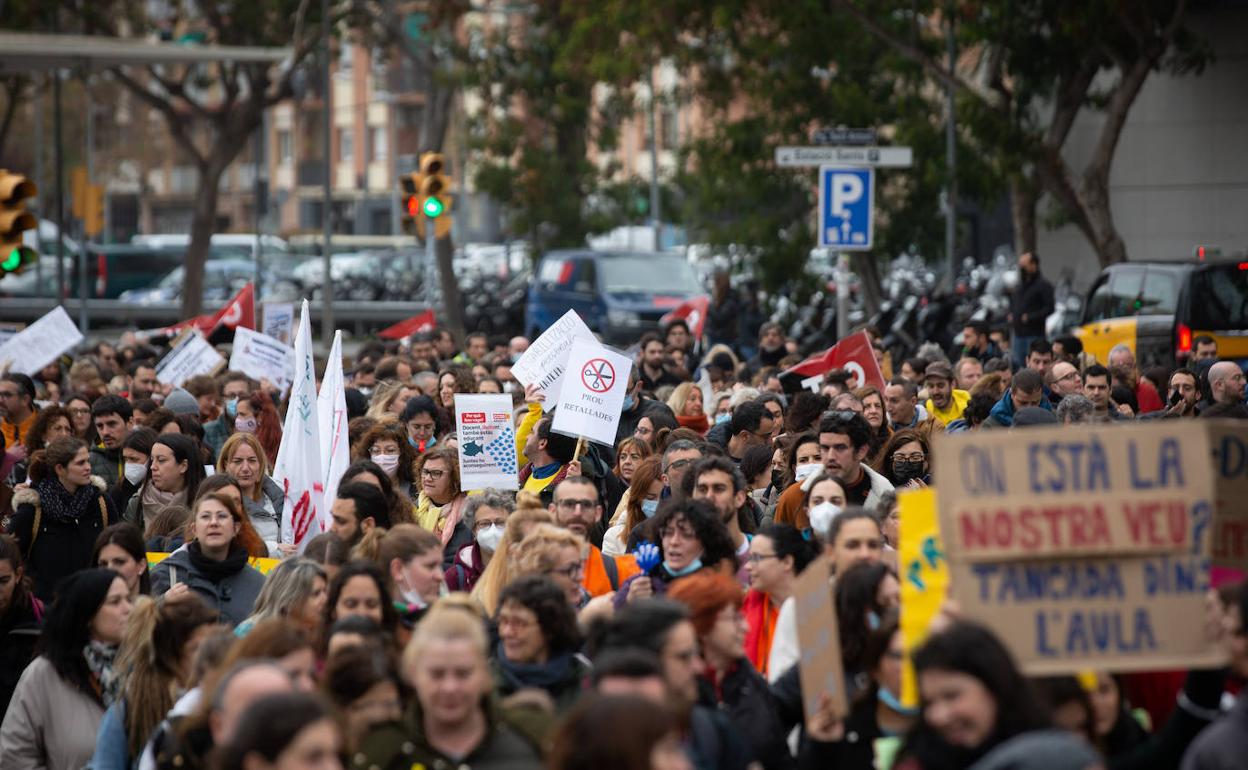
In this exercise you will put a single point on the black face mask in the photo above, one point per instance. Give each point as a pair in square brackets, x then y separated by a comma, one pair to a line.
[777, 479]
[907, 470]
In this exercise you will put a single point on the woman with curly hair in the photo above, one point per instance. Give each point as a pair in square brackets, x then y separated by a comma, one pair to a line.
[873, 410]
[452, 380]
[691, 537]
[53, 422]
[258, 415]
[538, 642]
[386, 444]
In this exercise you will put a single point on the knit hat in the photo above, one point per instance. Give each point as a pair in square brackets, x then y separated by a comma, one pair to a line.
[180, 402]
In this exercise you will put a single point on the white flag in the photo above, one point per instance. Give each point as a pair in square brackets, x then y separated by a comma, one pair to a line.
[331, 407]
[298, 467]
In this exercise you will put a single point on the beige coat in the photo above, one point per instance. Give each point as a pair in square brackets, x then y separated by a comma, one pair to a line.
[50, 724]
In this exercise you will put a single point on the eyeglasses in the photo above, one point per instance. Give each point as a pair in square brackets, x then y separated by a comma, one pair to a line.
[80, 411]
[676, 464]
[842, 414]
[684, 532]
[572, 571]
[755, 558]
[572, 505]
[914, 458]
[513, 621]
[1071, 375]
[433, 474]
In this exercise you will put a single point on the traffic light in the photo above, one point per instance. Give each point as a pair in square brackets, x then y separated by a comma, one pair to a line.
[93, 214]
[409, 199]
[14, 221]
[435, 193]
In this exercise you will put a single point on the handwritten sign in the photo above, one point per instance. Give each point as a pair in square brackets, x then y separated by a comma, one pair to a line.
[1110, 570]
[1229, 546]
[543, 363]
[279, 321]
[592, 394]
[819, 639]
[487, 442]
[924, 575]
[32, 348]
[263, 357]
[190, 355]
[1138, 489]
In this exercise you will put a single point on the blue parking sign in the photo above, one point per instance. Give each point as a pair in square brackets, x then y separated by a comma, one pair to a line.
[846, 207]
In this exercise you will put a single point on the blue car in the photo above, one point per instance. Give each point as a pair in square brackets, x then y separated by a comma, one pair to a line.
[619, 295]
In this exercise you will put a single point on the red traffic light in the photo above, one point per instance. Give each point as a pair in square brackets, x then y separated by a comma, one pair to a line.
[413, 206]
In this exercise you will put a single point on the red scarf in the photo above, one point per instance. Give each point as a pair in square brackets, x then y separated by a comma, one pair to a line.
[699, 423]
[760, 615]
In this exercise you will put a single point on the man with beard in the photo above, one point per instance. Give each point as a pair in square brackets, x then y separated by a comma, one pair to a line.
[771, 348]
[719, 482]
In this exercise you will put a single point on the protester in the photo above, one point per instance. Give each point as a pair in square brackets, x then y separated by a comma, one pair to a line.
[778, 554]
[58, 518]
[360, 588]
[21, 618]
[441, 503]
[386, 444]
[296, 590]
[174, 475]
[644, 494]
[120, 547]
[17, 395]
[631, 733]
[257, 414]
[61, 697]
[284, 730]
[538, 642]
[500, 571]
[907, 460]
[1030, 304]
[420, 417]
[412, 559]
[400, 507]
[452, 716]
[244, 459]
[363, 683]
[691, 537]
[488, 513]
[213, 564]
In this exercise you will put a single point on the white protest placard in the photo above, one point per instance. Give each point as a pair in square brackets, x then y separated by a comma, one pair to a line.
[592, 393]
[279, 321]
[34, 347]
[261, 357]
[298, 467]
[190, 355]
[487, 442]
[543, 362]
[331, 410]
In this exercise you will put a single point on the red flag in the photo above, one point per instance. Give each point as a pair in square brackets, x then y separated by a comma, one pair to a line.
[693, 311]
[854, 353]
[417, 323]
[239, 311]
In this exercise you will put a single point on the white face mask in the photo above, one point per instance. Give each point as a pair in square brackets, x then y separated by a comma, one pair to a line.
[821, 517]
[489, 537]
[388, 463]
[135, 472]
[806, 470]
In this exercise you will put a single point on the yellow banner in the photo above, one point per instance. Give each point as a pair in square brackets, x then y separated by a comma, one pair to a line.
[924, 577]
[262, 565]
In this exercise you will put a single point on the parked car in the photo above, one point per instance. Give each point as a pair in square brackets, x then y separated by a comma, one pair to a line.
[618, 294]
[223, 278]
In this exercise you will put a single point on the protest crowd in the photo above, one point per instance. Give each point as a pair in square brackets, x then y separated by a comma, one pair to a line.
[514, 553]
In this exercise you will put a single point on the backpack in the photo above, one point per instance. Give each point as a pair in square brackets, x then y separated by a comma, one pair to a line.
[34, 526]
[612, 570]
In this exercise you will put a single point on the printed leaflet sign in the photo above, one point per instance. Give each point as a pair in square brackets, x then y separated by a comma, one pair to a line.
[487, 442]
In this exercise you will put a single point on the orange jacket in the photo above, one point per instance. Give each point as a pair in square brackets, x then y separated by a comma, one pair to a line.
[597, 582]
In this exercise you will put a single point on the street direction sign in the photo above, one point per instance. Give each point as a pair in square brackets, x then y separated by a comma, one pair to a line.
[846, 208]
[842, 135]
[813, 157]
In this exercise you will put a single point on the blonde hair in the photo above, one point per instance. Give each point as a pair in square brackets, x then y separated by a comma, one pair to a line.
[446, 623]
[498, 572]
[231, 446]
[680, 398]
[538, 552]
[384, 394]
[529, 501]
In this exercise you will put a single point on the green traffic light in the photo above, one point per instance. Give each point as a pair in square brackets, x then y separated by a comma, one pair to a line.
[433, 208]
[13, 261]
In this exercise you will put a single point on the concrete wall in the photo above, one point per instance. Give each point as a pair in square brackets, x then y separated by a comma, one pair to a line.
[1180, 176]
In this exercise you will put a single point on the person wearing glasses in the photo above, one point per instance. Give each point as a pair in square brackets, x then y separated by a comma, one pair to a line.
[1064, 380]
[778, 554]
[440, 506]
[17, 400]
[907, 460]
[692, 537]
[576, 508]
[538, 643]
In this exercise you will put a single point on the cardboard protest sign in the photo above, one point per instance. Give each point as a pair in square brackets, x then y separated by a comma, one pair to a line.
[1084, 550]
[34, 347]
[262, 357]
[1229, 546]
[487, 442]
[190, 355]
[592, 394]
[543, 363]
[1022, 494]
[924, 573]
[819, 638]
[279, 321]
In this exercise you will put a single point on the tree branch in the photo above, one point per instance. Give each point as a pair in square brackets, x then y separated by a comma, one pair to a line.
[175, 121]
[914, 54]
[1069, 101]
[13, 87]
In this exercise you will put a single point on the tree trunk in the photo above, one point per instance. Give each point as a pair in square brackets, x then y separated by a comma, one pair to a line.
[13, 88]
[452, 302]
[868, 271]
[1023, 211]
[203, 224]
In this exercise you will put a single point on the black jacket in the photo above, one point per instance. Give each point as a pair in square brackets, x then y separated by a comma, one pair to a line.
[19, 632]
[745, 697]
[723, 320]
[59, 548]
[1032, 298]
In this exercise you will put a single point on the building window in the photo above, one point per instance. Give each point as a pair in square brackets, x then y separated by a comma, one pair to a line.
[381, 147]
[285, 146]
[346, 144]
[669, 126]
[346, 55]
